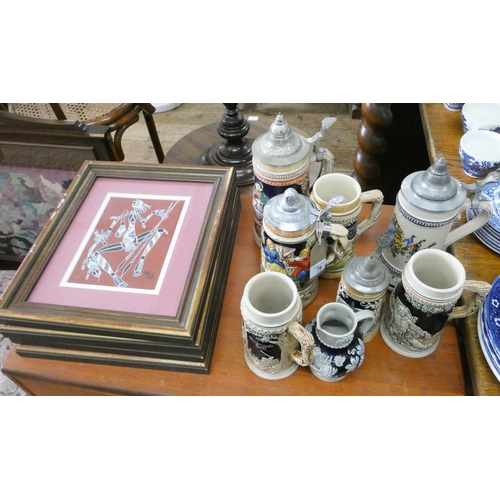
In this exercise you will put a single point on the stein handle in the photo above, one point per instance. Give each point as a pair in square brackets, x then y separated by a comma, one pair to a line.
[341, 244]
[376, 198]
[363, 317]
[326, 163]
[479, 220]
[480, 290]
[306, 341]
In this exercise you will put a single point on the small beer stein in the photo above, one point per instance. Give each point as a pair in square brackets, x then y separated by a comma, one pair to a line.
[347, 211]
[363, 285]
[293, 241]
[274, 342]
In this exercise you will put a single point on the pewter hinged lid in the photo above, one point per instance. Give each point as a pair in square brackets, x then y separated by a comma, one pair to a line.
[280, 146]
[368, 275]
[434, 189]
[290, 212]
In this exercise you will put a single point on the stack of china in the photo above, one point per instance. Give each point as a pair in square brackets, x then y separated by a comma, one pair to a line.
[488, 328]
[489, 234]
[480, 145]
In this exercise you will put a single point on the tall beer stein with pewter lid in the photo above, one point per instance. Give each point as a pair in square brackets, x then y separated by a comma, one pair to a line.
[281, 160]
[427, 204]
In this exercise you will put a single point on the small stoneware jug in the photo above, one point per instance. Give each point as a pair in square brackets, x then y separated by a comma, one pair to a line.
[339, 347]
[425, 299]
[281, 159]
[275, 343]
[293, 241]
[427, 204]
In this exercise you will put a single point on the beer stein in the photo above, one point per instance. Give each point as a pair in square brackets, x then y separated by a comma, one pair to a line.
[347, 211]
[427, 204]
[425, 299]
[363, 285]
[281, 159]
[275, 343]
[293, 241]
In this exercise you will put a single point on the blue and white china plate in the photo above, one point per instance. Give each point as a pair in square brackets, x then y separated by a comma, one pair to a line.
[487, 234]
[491, 316]
[486, 345]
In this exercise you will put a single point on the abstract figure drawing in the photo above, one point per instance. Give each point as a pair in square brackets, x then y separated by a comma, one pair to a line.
[135, 246]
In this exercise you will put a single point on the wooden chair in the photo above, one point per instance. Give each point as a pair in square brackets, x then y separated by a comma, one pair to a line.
[38, 160]
[117, 116]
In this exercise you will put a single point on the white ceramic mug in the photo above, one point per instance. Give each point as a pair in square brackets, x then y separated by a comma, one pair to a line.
[481, 116]
[480, 152]
[347, 211]
[425, 299]
[275, 343]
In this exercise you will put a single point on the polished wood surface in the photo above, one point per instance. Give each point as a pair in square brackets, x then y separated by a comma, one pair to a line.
[383, 372]
[191, 149]
[443, 130]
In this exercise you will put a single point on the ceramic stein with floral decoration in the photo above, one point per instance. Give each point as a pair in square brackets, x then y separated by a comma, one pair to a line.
[427, 205]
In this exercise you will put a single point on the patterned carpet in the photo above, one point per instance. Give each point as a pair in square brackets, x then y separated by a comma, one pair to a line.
[7, 387]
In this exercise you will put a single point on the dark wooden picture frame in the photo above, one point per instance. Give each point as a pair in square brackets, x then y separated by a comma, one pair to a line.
[36, 315]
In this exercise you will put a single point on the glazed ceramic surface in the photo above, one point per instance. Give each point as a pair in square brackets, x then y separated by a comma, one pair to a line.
[339, 348]
[453, 106]
[346, 211]
[427, 205]
[480, 152]
[489, 343]
[281, 159]
[274, 342]
[492, 310]
[364, 283]
[424, 300]
[481, 116]
[489, 234]
[293, 241]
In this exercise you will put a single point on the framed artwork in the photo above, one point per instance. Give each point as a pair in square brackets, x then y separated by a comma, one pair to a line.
[132, 265]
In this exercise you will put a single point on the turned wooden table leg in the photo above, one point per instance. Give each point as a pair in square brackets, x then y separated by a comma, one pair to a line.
[376, 120]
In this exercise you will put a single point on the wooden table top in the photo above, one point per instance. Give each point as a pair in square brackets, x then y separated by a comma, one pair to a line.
[383, 372]
[191, 149]
[443, 130]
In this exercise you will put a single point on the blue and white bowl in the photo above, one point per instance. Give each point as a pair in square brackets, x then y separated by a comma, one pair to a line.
[481, 116]
[479, 152]
[453, 106]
